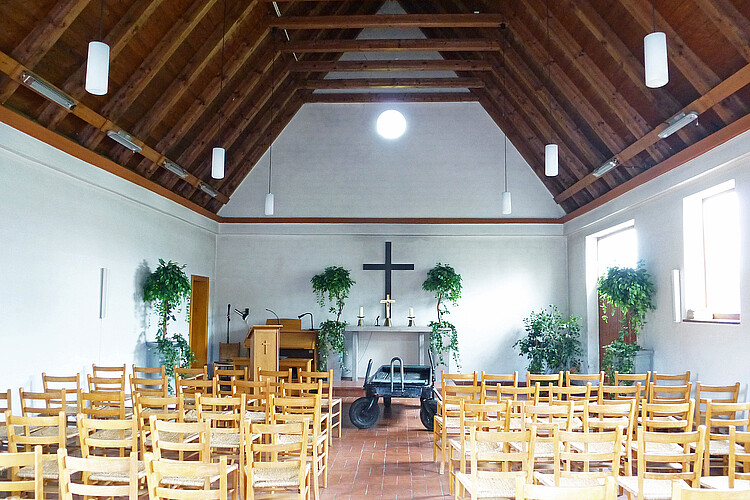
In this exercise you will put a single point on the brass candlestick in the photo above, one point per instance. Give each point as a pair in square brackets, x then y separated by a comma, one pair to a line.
[388, 301]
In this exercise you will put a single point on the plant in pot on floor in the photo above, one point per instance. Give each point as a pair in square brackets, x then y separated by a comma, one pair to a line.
[552, 343]
[632, 291]
[168, 287]
[443, 281]
[331, 287]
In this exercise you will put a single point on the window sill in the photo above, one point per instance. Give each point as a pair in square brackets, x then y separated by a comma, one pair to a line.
[713, 321]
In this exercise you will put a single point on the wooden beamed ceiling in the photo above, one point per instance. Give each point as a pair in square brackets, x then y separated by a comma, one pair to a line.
[581, 86]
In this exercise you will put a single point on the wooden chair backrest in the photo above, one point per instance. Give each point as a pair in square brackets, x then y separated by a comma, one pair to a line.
[484, 412]
[676, 378]
[658, 461]
[227, 409]
[720, 418]
[669, 393]
[103, 404]
[527, 491]
[739, 455]
[191, 373]
[101, 437]
[149, 385]
[6, 404]
[587, 455]
[71, 466]
[14, 461]
[225, 379]
[452, 395]
[633, 378]
[169, 438]
[106, 384]
[191, 386]
[275, 449]
[547, 419]
[716, 393]
[284, 409]
[459, 378]
[291, 389]
[71, 384]
[25, 433]
[667, 416]
[616, 393]
[682, 491]
[490, 384]
[596, 379]
[571, 393]
[108, 371]
[242, 364]
[525, 393]
[544, 378]
[607, 416]
[493, 450]
[325, 377]
[47, 403]
[162, 407]
[146, 372]
[157, 469]
[275, 375]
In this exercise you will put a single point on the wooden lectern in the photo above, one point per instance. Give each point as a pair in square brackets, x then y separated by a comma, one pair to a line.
[263, 343]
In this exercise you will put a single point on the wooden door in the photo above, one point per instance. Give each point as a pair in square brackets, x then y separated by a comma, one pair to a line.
[199, 319]
[609, 330]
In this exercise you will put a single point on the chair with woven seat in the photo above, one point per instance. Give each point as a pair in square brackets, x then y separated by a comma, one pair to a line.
[226, 419]
[256, 399]
[6, 404]
[497, 458]
[168, 408]
[583, 458]
[16, 461]
[107, 404]
[632, 379]
[48, 403]
[671, 379]
[200, 372]
[225, 379]
[548, 419]
[283, 410]
[277, 460]
[617, 393]
[188, 386]
[108, 371]
[610, 416]
[662, 458]
[331, 404]
[682, 491]
[72, 386]
[717, 394]
[123, 468]
[47, 431]
[446, 422]
[738, 470]
[149, 381]
[669, 393]
[518, 397]
[606, 491]
[720, 418]
[544, 379]
[491, 381]
[167, 479]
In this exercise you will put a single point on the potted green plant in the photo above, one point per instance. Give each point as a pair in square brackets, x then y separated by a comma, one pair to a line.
[168, 287]
[552, 343]
[331, 287]
[632, 291]
[445, 283]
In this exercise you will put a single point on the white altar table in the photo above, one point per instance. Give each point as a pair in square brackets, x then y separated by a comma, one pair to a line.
[422, 333]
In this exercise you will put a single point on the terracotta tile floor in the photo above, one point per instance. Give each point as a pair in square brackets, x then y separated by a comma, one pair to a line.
[392, 460]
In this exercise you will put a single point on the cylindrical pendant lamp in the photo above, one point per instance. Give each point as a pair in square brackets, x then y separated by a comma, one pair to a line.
[97, 68]
[269, 204]
[506, 206]
[655, 59]
[217, 163]
[550, 160]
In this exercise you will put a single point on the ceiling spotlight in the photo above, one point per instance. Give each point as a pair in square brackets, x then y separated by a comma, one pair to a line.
[677, 122]
[175, 169]
[124, 139]
[47, 90]
[208, 190]
[391, 124]
[606, 167]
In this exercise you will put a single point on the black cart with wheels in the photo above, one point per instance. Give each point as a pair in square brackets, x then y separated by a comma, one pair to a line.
[390, 381]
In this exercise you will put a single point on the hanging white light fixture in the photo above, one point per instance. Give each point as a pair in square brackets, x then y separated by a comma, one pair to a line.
[551, 156]
[218, 155]
[97, 63]
[505, 201]
[655, 58]
[269, 202]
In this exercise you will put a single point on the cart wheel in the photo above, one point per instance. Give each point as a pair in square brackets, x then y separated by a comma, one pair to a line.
[387, 401]
[364, 412]
[427, 413]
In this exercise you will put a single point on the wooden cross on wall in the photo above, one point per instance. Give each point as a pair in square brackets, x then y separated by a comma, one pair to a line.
[388, 266]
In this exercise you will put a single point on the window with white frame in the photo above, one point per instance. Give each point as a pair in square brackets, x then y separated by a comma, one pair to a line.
[712, 244]
[617, 247]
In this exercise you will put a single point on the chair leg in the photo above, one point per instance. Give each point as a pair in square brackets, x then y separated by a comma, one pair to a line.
[444, 449]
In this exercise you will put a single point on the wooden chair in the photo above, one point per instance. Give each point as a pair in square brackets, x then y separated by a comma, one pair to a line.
[146, 372]
[503, 456]
[518, 397]
[673, 417]
[27, 460]
[106, 384]
[548, 419]
[447, 419]
[681, 491]
[716, 393]
[490, 383]
[583, 458]
[225, 379]
[149, 381]
[226, 419]
[595, 379]
[331, 405]
[72, 386]
[669, 393]
[297, 365]
[191, 373]
[243, 364]
[6, 404]
[277, 460]
[169, 408]
[471, 413]
[163, 474]
[45, 431]
[579, 393]
[108, 371]
[188, 388]
[104, 405]
[544, 379]
[606, 491]
[49, 404]
[720, 418]
[676, 379]
[106, 467]
[739, 456]
[627, 379]
[610, 416]
[275, 378]
[256, 399]
[284, 410]
[671, 456]
[617, 393]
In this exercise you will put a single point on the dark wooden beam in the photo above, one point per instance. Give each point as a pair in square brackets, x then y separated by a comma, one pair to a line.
[118, 38]
[392, 83]
[386, 21]
[730, 21]
[119, 103]
[393, 45]
[389, 65]
[340, 97]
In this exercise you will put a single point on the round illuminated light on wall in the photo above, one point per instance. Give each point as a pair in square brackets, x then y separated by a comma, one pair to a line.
[391, 124]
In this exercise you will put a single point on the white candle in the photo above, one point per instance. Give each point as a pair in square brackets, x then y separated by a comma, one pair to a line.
[411, 311]
[361, 311]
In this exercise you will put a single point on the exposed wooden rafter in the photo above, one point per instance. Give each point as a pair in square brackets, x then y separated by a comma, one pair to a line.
[393, 45]
[389, 65]
[392, 83]
[387, 21]
[341, 97]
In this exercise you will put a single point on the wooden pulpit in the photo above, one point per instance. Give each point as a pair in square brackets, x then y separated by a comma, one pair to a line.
[263, 343]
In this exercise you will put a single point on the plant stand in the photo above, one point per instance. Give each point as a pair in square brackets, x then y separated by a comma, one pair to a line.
[644, 361]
